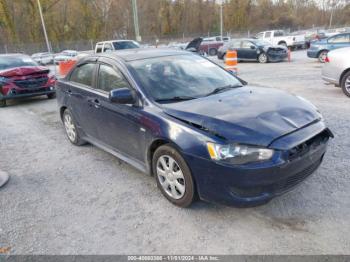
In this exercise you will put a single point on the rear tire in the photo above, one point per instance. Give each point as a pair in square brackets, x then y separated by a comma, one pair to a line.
[2, 103]
[51, 96]
[174, 178]
[213, 52]
[71, 129]
[322, 56]
[345, 84]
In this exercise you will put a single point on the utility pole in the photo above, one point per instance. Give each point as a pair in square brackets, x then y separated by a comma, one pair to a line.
[44, 28]
[221, 19]
[136, 21]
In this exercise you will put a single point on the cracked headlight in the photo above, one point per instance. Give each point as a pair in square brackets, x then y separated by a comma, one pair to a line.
[238, 154]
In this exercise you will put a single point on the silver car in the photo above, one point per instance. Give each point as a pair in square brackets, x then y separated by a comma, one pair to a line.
[336, 70]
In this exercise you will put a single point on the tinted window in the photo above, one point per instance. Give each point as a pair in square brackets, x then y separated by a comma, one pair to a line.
[110, 78]
[339, 39]
[267, 34]
[83, 74]
[125, 45]
[279, 33]
[107, 47]
[7, 62]
[99, 49]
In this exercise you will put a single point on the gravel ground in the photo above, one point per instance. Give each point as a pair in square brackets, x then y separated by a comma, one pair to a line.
[64, 199]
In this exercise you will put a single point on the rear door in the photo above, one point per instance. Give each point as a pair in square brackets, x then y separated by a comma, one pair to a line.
[80, 90]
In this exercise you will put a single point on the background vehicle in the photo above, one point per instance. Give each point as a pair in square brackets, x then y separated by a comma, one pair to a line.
[65, 56]
[209, 47]
[43, 58]
[336, 69]
[192, 125]
[254, 50]
[279, 37]
[21, 76]
[108, 46]
[319, 49]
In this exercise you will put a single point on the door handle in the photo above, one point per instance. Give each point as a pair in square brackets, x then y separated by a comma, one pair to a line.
[69, 92]
[94, 102]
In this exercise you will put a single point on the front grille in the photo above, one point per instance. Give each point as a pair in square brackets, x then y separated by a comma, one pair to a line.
[308, 145]
[293, 180]
[33, 82]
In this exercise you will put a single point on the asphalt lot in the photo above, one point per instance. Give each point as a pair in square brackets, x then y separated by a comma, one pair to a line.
[64, 199]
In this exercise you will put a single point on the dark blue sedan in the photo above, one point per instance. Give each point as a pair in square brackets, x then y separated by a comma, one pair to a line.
[192, 125]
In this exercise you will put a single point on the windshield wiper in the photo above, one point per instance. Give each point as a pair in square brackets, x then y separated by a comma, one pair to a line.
[175, 99]
[221, 89]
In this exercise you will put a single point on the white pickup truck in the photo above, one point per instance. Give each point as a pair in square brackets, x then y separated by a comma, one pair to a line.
[279, 37]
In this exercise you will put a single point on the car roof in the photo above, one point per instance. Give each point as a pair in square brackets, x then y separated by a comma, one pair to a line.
[128, 55]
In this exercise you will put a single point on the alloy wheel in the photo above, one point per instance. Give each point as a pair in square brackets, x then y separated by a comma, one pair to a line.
[347, 84]
[70, 127]
[262, 58]
[171, 177]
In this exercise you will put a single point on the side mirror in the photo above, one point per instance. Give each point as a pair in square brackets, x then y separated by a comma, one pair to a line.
[252, 47]
[122, 96]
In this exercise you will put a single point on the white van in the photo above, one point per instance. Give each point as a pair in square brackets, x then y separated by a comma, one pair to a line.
[112, 45]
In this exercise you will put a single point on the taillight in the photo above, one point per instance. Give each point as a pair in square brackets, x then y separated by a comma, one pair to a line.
[327, 59]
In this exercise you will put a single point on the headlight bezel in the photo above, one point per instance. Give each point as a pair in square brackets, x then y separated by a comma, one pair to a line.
[239, 154]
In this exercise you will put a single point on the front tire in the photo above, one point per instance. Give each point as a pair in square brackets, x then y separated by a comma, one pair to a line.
[262, 58]
[71, 128]
[174, 178]
[213, 52]
[345, 84]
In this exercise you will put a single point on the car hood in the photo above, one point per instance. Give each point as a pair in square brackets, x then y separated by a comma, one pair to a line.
[23, 71]
[249, 115]
[195, 43]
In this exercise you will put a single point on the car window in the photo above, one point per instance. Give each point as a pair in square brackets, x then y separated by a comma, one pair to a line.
[278, 33]
[99, 48]
[83, 74]
[339, 39]
[246, 44]
[108, 47]
[235, 44]
[125, 45]
[260, 35]
[110, 78]
[267, 34]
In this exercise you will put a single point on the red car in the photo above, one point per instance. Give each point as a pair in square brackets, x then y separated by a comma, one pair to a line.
[21, 76]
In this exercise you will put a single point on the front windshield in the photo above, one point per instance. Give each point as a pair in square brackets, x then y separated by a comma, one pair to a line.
[12, 62]
[188, 76]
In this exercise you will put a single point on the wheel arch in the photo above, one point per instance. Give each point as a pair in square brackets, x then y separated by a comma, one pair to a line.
[319, 52]
[156, 143]
[343, 74]
[62, 109]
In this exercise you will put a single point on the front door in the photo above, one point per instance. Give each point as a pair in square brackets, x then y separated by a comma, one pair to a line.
[119, 124]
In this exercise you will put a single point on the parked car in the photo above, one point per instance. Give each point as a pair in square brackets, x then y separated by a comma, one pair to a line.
[336, 69]
[216, 39]
[279, 37]
[65, 56]
[254, 50]
[43, 58]
[21, 76]
[112, 45]
[319, 49]
[193, 125]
